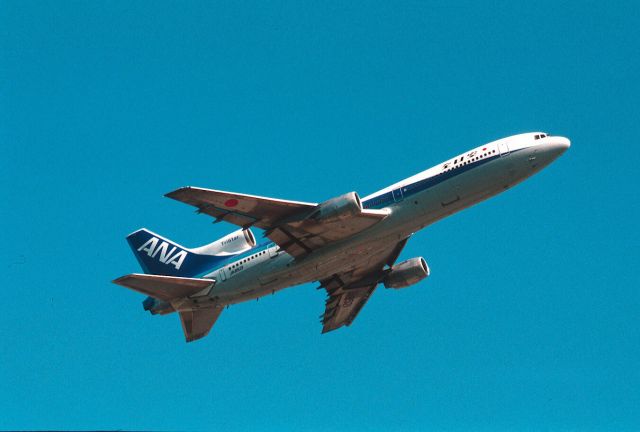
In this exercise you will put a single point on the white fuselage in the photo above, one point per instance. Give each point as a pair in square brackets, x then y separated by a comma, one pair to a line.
[413, 203]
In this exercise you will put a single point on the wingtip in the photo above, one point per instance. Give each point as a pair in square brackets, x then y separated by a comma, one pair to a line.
[176, 192]
[118, 281]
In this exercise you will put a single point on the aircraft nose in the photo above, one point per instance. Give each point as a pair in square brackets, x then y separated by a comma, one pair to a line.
[559, 145]
[553, 147]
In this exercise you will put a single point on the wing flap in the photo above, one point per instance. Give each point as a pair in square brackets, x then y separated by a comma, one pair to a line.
[342, 307]
[285, 222]
[164, 288]
[349, 292]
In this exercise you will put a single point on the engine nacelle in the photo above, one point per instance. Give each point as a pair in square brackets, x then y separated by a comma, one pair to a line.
[232, 244]
[157, 307]
[406, 273]
[338, 208]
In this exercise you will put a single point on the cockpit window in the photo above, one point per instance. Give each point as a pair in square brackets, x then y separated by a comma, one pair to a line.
[540, 136]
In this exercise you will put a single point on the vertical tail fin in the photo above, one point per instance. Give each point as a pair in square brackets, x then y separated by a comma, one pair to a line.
[160, 256]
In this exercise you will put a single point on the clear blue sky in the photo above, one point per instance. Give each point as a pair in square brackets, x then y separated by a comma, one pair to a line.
[530, 319]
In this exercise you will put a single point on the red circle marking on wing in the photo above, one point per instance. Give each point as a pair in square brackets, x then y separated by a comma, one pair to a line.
[231, 202]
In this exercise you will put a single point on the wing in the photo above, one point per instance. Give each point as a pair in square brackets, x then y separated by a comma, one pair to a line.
[164, 288]
[197, 323]
[287, 223]
[240, 209]
[349, 292]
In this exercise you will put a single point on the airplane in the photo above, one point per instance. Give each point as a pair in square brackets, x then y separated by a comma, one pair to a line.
[348, 244]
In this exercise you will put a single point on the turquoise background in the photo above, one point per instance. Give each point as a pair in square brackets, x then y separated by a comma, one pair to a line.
[529, 320]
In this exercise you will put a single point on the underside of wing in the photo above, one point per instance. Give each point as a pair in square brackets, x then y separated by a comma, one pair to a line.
[342, 307]
[301, 237]
[292, 225]
[349, 292]
[197, 323]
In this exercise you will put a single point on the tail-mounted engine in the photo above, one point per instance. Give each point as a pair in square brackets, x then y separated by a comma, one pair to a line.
[406, 273]
[157, 307]
[232, 244]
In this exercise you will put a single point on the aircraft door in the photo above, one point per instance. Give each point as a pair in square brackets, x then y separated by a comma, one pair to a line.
[273, 250]
[504, 148]
[222, 274]
[397, 195]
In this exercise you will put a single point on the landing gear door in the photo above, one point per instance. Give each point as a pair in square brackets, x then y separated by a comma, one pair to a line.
[504, 148]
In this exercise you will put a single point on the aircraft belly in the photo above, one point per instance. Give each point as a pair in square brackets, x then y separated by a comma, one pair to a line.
[411, 214]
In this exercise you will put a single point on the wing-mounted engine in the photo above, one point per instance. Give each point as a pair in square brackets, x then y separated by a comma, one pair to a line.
[406, 273]
[232, 244]
[327, 222]
[338, 208]
[298, 228]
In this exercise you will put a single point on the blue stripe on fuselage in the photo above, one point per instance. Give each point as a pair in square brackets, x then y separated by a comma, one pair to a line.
[386, 199]
[235, 258]
[375, 202]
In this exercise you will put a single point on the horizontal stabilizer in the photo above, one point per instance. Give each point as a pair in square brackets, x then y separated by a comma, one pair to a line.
[164, 288]
[197, 323]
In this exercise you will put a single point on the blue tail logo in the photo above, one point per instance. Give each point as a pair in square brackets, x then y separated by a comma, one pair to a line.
[157, 249]
[161, 256]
